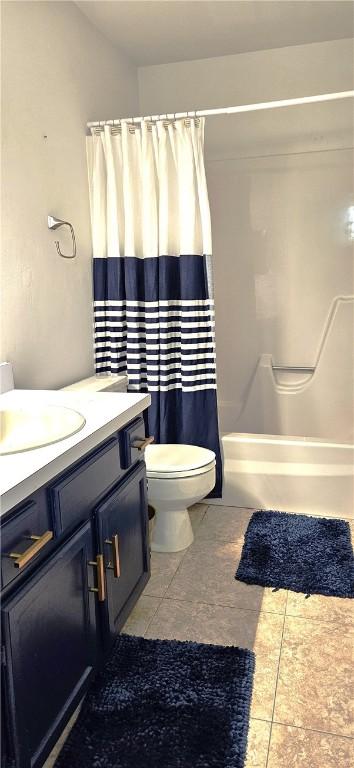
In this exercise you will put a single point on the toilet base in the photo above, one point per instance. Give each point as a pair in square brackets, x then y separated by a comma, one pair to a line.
[172, 530]
[171, 498]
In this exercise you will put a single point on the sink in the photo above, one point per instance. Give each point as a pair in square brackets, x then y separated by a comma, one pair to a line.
[22, 429]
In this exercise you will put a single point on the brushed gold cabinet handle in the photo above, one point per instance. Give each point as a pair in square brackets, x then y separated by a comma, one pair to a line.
[23, 558]
[114, 542]
[142, 444]
[101, 582]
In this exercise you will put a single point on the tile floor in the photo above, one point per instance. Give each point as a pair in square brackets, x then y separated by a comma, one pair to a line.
[302, 713]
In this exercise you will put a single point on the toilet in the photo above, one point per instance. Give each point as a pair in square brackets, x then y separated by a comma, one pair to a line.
[178, 476]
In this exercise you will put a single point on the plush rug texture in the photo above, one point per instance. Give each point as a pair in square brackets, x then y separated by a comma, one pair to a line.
[306, 554]
[164, 704]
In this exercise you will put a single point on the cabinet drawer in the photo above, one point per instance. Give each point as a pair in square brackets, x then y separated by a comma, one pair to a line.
[75, 494]
[32, 519]
[49, 637]
[133, 433]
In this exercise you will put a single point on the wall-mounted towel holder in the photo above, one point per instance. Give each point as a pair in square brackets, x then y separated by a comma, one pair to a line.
[54, 223]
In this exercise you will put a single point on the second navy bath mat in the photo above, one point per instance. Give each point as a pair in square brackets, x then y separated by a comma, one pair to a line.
[164, 704]
[306, 554]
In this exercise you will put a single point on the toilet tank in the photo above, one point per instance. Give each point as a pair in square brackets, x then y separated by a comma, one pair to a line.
[99, 384]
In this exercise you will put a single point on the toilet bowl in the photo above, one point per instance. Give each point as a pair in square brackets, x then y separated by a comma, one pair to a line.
[178, 476]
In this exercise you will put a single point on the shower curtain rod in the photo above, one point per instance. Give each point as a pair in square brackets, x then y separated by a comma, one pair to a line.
[227, 110]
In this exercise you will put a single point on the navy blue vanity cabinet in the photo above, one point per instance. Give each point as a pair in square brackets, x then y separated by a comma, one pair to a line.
[27, 534]
[75, 558]
[49, 635]
[75, 493]
[131, 439]
[122, 533]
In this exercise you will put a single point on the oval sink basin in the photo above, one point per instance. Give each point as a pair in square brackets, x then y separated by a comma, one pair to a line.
[22, 429]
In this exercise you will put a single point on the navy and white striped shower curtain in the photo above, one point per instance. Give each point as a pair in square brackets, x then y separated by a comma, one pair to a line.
[153, 303]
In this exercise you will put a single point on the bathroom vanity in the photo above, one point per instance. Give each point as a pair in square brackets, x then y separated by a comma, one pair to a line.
[75, 558]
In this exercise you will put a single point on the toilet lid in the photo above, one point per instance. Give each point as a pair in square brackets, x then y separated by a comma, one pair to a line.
[170, 459]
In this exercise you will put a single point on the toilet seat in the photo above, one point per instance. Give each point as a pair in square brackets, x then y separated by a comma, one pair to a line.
[172, 460]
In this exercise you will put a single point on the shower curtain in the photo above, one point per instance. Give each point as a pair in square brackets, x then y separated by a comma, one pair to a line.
[153, 303]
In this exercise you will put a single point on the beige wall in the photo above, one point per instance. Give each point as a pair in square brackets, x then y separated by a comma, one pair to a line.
[278, 205]
[58, 73]
[223, 81]
[258, 76]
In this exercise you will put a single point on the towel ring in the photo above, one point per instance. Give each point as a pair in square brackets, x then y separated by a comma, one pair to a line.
[54, 223]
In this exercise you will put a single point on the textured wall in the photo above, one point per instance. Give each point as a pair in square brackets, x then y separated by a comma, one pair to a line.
[58, 73]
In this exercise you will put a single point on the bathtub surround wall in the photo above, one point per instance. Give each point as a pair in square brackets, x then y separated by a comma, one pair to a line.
[279, 227]
[59, 72]
[280, 186]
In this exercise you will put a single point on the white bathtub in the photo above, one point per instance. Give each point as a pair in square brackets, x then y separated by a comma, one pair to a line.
[294, 474]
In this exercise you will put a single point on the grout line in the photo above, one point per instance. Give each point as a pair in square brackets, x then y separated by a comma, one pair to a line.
[327, 622]
[313, 730]
[176, 571]
[153, 616]
[222, 605]
[183, 556]
[277, 679]
[226, 540]
[348, 626]
[338, 622]
[260, 719]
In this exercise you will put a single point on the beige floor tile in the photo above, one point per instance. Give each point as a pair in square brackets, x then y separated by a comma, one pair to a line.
[49, 763]
[163, 569]
[297, 748]
[316, 677]
[196, 513]
[321, 608]
[207, 575]
[228, 626]
[165, 564]
[141, 615]
[225, 523]
[257, 744]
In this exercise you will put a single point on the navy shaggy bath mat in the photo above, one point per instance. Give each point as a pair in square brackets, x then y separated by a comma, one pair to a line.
[164, 704]
[305, 554]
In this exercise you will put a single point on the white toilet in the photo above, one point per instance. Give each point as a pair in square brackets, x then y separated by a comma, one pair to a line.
[178, 476]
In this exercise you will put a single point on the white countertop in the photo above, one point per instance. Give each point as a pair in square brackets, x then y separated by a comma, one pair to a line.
[105, 412]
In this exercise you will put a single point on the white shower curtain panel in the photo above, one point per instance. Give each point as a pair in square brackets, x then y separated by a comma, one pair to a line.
[148, 191]
[153, 304]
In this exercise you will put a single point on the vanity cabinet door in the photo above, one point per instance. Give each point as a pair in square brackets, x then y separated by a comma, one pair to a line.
[49, 632]
[122, 528]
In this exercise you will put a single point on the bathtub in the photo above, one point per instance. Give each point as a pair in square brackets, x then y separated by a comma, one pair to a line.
[294, 474]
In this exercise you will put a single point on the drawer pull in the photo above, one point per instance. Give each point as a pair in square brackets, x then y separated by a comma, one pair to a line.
[142, 444]
[101, 584]
[114, 542]
[23, 558]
